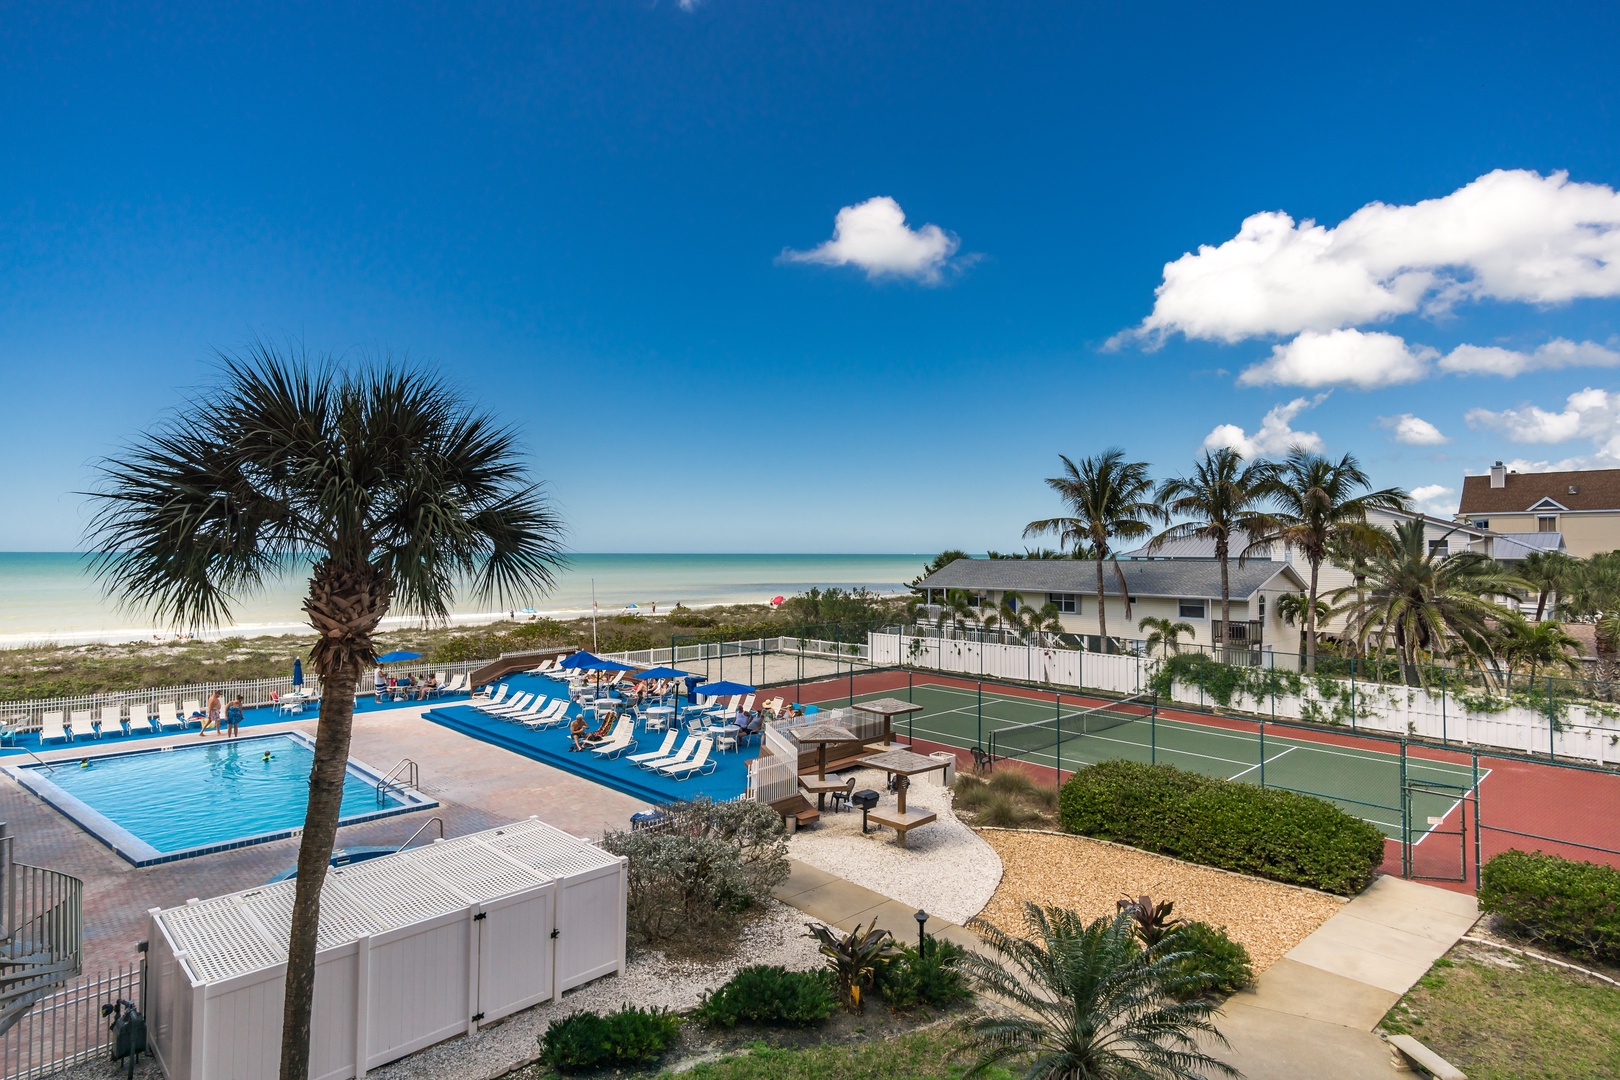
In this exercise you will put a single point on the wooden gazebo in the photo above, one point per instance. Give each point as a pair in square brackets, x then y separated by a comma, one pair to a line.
[888, 708]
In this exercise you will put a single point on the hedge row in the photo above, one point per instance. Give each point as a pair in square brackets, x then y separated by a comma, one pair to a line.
[1273, 834]
[1570, 906]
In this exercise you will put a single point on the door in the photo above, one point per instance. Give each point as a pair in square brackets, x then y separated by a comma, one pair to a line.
[1438, 820]
[515, 953]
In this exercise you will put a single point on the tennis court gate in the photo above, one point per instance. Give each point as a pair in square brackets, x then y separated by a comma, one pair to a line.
[1441, 849]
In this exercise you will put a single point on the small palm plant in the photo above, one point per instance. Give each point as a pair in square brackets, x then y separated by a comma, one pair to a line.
[855, 958]
[1164, 634]
[1089, 1001]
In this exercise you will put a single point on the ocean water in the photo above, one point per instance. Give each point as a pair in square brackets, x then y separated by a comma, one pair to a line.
[49, 596]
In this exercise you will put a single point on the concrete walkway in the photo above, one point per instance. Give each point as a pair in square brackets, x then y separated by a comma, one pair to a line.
[1310, 1014]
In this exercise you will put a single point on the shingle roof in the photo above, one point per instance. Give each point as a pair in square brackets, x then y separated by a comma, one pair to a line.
[1158, 577]
[1595, 489]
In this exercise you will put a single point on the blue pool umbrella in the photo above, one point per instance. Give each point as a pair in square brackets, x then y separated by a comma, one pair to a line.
[662, 673]
[581, 661]
[723, 689]
[298, 672]
[396, 657]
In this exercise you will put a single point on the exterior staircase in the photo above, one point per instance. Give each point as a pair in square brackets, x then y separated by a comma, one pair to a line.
[41, 932]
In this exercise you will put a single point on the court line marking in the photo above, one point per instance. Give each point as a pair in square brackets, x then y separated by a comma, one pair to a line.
[1267, 761]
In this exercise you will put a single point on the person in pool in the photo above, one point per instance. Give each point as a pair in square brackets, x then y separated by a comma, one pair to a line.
[216, 705]
[233, 717]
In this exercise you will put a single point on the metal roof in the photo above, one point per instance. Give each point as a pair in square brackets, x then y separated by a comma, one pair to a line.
[1512, 546]
[247, 931]
[1156, 577]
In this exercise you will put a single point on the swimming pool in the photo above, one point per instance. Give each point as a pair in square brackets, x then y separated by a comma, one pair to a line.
[177, 802]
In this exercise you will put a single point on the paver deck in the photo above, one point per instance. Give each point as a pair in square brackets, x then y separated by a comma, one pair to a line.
[478, 786]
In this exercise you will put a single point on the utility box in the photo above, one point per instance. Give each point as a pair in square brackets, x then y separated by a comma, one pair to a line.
[414, 948]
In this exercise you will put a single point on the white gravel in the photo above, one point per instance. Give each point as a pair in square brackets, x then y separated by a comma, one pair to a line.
[945, 868]
[650, 979]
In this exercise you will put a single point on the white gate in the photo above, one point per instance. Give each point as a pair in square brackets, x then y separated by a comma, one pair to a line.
[514, 962]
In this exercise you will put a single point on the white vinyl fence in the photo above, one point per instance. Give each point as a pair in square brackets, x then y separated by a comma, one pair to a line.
[1117, 674]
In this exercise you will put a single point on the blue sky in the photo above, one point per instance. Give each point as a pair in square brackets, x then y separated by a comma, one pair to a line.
[614, 223]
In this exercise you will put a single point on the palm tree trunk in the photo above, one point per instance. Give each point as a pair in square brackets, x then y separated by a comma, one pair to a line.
[314, 857]
[1541, 604]
[1310, 621]
[1102, 613]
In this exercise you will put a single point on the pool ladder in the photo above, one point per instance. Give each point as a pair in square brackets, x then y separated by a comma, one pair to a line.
[406, 770]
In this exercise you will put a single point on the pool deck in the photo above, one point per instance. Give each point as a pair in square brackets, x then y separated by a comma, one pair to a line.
[477, 785]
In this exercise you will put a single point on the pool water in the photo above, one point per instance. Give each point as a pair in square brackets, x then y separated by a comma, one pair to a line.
[217, 793]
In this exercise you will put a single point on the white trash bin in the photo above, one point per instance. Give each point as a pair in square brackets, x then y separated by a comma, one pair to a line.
[949, 775]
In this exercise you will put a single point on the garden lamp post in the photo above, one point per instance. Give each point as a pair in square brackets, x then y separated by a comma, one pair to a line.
[922, 920]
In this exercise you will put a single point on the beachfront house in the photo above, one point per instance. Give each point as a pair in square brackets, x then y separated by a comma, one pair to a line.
[1577, 511]
[1179, 589]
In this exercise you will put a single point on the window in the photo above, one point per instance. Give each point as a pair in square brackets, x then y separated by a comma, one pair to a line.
[1548, 523]
[1065, 602]
[1481, 523]
[1262, 607]
[1439, 548]
[1191, 609]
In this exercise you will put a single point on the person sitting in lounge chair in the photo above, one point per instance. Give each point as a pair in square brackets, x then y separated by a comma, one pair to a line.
[604, 729]
[426, 690]
[576, 733]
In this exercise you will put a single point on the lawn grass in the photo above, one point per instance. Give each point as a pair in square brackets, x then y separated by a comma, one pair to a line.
[924, 1054]
[1498, 1022]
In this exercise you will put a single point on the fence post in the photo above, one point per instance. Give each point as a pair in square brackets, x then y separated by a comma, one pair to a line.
[1262, 754]
[1443, 740]
[1406, 819]
[1474, 755]
[1552, 730]
[981, 714]
[1153, 734]
[1352, 693]
[1058, 699]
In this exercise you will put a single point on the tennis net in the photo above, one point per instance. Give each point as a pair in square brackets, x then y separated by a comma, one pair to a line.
[1040, 737]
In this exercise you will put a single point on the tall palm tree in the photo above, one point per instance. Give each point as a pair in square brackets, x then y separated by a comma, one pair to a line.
[1353, 553]
[1089, 1003]
[1539, 644]
[1108, 499]
[1589, 592]
[1545, 571]
[1291, 609]
[396, 486]
[958, 608]
[1318, 499]
[1420, 602]
[1164, 633]
[1224, 500]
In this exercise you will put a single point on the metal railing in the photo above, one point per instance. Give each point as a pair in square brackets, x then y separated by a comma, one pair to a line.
[407, 768]
[435, 820]
[66, 1027]
[43, 932]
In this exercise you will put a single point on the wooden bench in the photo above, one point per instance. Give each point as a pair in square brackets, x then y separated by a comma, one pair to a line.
[1426, 1059]
[799, 809]
[901, 823]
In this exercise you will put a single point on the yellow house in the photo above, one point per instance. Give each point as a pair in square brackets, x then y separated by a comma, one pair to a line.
[1584, 506]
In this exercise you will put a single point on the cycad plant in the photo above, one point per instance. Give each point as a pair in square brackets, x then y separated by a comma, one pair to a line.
[1090, 1003]
[398, 489]
[856, 959]
[1108, 499]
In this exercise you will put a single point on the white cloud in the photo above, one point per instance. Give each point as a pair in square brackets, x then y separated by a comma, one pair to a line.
[1275, 436]
[1510, 235]
[1557, 353]
[1413, 430]
[873, 235]
[1587, 413]
[1436, 499]
[1366, 360]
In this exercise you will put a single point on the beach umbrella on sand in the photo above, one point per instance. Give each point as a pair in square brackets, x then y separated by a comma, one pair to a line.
[396, 657]
[777, 601]
[298, 674]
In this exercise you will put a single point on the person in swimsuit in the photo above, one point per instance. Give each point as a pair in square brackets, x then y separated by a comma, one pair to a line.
[233, 717]
[216, 705]
[576, 732]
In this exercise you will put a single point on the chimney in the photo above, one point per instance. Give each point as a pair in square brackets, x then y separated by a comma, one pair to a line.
[1498, 475]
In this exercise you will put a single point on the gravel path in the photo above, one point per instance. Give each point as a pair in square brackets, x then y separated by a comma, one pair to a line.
[1090, 876]
[944, 868]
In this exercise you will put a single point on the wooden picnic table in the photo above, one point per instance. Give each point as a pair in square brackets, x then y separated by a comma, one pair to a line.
[819, 786]
[902, 765]
[888, 708]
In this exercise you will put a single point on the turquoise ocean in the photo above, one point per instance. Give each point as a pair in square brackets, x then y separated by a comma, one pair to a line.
[49, 596]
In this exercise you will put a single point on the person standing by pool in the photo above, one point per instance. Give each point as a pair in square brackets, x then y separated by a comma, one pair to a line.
[381, 684]
[233, 717]
[216, 703]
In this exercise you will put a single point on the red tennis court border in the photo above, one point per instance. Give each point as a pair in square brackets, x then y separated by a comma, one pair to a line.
[1567, 810]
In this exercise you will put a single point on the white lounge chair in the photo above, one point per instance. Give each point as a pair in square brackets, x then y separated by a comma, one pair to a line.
[658, 754]
[495, 699]
[698, 765]
[456, 685]
[622, 739]
[188, 709]
[688, 748]
[501, 702]
[536, 706]
[140, 719]
[53, 725]
[111, 718]
[168, 715]
[80, 723]
[555, 712]
[512, 708]
[748, 703]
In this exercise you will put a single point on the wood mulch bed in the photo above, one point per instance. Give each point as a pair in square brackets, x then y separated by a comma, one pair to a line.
[1091, 876]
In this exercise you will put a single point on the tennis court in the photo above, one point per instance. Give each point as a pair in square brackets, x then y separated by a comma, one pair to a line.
[1066, 731]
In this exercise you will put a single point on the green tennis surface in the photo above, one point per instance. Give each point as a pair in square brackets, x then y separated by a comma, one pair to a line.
[1363, 782]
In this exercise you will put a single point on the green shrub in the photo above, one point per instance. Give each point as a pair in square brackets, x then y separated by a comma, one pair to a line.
[587, 1040]
[766, 994]
[1002, 811]
[1570, 906]
[1267, 832]
[710, 861]
[1215, 964]
[933, 978]
[971, 793]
